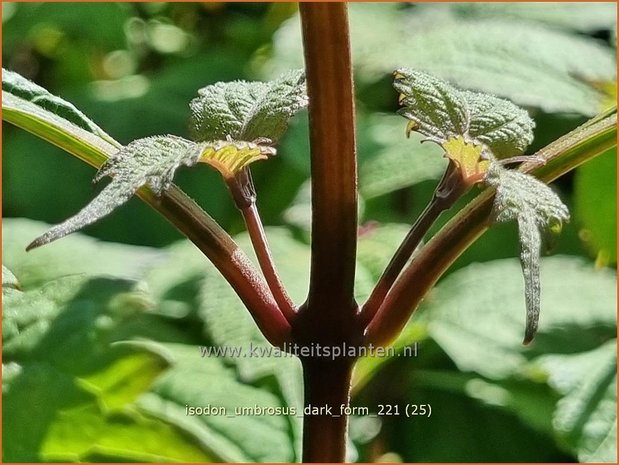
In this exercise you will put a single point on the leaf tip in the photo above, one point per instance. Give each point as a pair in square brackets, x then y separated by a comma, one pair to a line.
[38, 242]
[530, 332]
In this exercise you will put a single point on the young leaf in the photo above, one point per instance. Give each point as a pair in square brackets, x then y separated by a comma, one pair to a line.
[468, 158]
[506, 129]
[247, 110]
[537, 209]
[152, 162]
[436, 109]
[471, 127]
[442, 112]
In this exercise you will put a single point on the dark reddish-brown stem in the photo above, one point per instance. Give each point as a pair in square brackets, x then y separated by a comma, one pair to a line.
[447, 192]
[329, 316]
[263, 253]
[333, 156]
[327, 385]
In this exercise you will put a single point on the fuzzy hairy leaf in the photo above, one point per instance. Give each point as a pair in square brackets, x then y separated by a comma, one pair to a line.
[538, 210]
[247, 110]
[506, 129]
[152, 162]
[441, 112]
[437, 109]
[18, 86]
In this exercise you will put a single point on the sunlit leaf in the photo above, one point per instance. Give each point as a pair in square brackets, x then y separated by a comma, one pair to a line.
[580, 16]
[538, 210]
[529, 62]
[475, 314]
[441, 112]
[9, 279]
[152, 162]
[247, 110]
[18, 86]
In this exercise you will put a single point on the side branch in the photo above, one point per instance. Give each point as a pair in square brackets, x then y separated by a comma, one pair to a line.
[177, 208]
[333, 157]
[445, 247]
[447, 192]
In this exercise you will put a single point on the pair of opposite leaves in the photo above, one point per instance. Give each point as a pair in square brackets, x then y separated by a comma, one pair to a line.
[475, 130]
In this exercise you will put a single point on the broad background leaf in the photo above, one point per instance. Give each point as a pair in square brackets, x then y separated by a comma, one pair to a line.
[484, 52]
[62, 314]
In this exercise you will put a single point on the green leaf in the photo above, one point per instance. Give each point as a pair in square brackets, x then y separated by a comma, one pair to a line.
[532, 64]
[233, 438]
[61, 352]
[247, 111]
[585, 17]
[66, 258]
[538, 210]
[506, 129]
[442, 112]
[70, 390]
[16, 87]
[490, 434]
[437, 109]
[586, 417]
[129, 436]
[474, 314]
[595, 190]
[9, 279]
[152, 162]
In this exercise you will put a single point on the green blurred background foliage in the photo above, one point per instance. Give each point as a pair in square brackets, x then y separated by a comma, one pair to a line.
[133, 68]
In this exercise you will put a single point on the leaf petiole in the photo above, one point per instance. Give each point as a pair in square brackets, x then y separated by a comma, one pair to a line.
[448, 191]
[242, 189]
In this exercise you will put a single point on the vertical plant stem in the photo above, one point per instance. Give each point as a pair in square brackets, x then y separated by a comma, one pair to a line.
[263, 253]
[327, 385]
[334, 165]
[329, 316]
